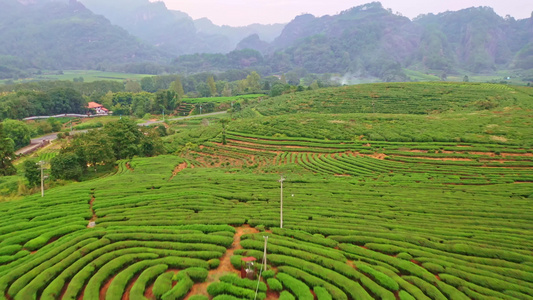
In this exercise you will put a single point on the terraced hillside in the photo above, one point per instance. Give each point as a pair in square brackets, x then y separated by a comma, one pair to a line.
[362, 218]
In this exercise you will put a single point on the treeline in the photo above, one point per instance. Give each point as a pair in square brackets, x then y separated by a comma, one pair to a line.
[153, 94]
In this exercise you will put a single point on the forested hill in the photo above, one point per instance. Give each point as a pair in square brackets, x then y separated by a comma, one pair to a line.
[61, 35]
[370, 39]
[176, 31]
[365, 41]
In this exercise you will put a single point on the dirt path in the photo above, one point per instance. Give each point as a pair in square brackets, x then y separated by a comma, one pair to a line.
[92, 221]
[225, 264]
[105, 287]
[126, 295]
[178, 169]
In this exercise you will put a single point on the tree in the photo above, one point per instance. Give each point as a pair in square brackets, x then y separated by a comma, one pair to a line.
[125, 137]
[165, 99]
[7, 154]
[212, 86]
[224, 123]
[151, 143]
[227, 91]
[177, 87]
[132, 87]
[32, 172]
[66, 100]
[66, 166]
[253, 82]
[97, 148]
[18, 131]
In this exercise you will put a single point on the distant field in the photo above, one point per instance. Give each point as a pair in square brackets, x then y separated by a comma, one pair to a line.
[420, 76]
[88, 76]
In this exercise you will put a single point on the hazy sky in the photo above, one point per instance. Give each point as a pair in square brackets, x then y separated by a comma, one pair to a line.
[244, 12]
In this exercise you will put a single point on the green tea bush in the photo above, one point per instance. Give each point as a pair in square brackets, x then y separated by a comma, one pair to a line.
[285, 295]
[227, 297]
[162, 284]
[268, 274]
[298, 288]
[243, 282]
[321, 293]
[196, 274]
[146, 277]
[405, 296]
[180, 290]
[220, 288]
[198, 297]
[92, 290]
[274, 284]
[311, 280]
[380, 278]
[213, 263]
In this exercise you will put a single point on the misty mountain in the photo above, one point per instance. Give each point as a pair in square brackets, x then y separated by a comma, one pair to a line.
[41, 34]
[176, 31]
[365, 41]
[369, 40]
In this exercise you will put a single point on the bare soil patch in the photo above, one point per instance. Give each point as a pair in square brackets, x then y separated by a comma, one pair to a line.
[104, 289]
[178, 169]
[225, 263]
[126, 295]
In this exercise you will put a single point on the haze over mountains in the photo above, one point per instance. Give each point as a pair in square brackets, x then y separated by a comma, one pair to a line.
[369, 40]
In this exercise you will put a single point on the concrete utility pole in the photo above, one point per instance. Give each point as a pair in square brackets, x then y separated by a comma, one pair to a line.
[41, 163]
[281, 203]
[265, 252]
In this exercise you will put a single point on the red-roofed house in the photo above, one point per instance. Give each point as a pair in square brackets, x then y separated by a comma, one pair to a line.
[98, 108]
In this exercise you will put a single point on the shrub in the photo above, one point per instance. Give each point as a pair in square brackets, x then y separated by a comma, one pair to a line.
[268, 274]
[322, 293]
[243, 282]
[286, 296]
[180, 290]
[220, 288]
[226, 297]
[382, 279]
[274, 284]
[147, 276]
[311, 280]
[162, 284]
[406, 296]
[213, 263]
[196, 274]
[198, 297]
[298, 288]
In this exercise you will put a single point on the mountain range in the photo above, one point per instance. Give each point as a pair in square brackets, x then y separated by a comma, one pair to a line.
[367, 40]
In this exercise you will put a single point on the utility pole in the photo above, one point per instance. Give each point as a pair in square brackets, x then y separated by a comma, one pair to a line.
[265, 252]
[281, 203]
[41, 163]
[200, 109]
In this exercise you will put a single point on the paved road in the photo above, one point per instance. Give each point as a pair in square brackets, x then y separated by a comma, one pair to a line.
[37, 142]
[183, 118]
